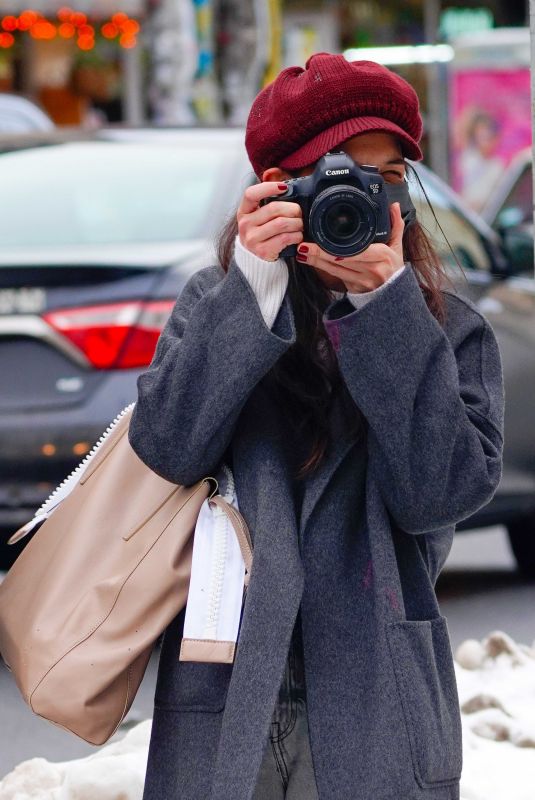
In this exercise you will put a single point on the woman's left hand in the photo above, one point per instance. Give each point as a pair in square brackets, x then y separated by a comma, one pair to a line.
[369, 269]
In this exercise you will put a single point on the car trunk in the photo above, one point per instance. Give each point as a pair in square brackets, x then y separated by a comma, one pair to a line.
[41, 366]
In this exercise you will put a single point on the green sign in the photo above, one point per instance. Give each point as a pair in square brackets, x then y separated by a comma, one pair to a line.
[454, 21]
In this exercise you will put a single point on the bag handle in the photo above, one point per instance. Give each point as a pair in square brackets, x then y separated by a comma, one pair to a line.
[240, 529]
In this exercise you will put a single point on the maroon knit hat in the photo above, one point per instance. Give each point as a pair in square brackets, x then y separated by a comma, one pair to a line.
[305, 113]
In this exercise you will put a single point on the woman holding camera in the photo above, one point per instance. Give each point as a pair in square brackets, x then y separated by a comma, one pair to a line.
[360, 405]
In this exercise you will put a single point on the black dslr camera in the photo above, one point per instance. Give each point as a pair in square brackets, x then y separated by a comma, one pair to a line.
[345, 207]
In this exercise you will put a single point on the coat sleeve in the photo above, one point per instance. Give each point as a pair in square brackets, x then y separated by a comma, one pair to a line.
[213, 350]
[433, 400]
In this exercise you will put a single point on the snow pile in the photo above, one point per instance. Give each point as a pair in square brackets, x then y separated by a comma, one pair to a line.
[115, 772]
[496, 682]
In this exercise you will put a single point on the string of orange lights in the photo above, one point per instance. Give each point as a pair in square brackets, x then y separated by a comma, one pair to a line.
[69, 25]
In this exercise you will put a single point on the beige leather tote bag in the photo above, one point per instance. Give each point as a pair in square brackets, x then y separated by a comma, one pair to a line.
[106, 572]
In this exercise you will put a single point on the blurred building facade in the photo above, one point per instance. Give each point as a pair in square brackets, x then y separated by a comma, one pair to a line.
[199, 58]
[180, 61]
[77, 62]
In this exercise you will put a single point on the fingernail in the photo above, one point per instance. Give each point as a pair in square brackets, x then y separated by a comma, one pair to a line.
[303, 248]
[339, 258]
[282, 187]
[299, 257]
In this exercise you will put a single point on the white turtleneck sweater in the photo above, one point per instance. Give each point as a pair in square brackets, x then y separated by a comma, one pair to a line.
[269, 279]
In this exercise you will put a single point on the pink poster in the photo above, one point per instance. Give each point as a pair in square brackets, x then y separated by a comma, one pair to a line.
[491, 123]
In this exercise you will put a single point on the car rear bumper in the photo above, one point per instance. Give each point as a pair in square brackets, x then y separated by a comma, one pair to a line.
[26, 481]
[27, 476]
[501, 510]
[514, 498]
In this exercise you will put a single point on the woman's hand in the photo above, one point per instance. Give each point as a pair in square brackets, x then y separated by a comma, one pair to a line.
[266, 230]
[367, 270]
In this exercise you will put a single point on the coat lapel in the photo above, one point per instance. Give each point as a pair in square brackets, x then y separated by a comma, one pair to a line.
[277, 581]
[273, 598]
[341, 444]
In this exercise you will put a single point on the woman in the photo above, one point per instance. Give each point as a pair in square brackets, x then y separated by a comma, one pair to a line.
[360, 406]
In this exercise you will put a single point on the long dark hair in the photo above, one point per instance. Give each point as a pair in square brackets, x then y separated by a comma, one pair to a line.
[307, 378]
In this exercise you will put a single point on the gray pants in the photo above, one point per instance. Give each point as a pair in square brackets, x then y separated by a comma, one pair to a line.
[287, 771]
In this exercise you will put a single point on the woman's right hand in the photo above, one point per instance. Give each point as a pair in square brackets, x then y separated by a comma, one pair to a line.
[266, 230]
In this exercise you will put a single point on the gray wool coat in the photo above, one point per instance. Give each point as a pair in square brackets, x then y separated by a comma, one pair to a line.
[381, 693]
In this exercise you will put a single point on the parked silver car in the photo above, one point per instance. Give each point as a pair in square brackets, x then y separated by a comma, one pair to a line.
[509, 210]
[19, 115]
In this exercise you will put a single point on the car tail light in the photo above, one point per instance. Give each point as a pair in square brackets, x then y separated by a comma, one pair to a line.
[115, 335]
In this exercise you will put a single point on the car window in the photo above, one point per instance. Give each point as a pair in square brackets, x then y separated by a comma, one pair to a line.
[464, 240]
[518, 206]
[100, 193]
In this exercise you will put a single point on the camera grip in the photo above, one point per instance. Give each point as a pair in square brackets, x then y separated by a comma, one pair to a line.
[288, 252]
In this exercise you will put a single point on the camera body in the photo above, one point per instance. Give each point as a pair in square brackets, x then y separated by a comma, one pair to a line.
[345, 206]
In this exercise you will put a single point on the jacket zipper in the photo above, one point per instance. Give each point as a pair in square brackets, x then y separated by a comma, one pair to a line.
[219, 557]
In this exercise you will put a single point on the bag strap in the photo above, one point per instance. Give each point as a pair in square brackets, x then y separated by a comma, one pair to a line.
[241, 530]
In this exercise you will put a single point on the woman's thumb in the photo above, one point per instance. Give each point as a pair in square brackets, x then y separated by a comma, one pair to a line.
[398, 226]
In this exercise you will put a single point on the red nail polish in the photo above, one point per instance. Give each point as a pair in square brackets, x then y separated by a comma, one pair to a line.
[283, 187]
[339, 258]
[299, 257]
[303, 248]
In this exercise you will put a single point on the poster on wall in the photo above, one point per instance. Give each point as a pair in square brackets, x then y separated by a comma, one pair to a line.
[491, 123]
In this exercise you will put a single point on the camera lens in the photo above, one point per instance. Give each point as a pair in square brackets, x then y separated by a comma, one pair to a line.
[343, 220]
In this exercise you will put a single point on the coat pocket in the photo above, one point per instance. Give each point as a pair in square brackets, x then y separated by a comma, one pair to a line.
[187, 685]
[425, 677]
